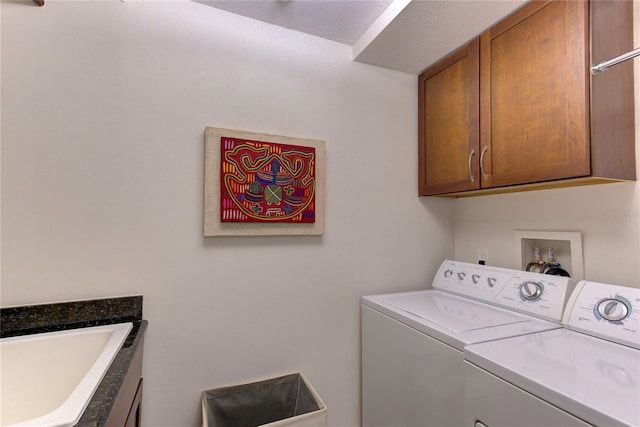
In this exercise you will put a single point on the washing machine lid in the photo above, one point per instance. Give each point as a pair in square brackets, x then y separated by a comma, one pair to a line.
[455, 314]
[594, 379]
[455, 320]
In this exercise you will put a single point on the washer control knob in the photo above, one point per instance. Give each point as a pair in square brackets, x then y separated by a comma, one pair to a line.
[612, 309]
[531, 290]
[461, 275]
[448, 273]
[475, 278]
[492, 281]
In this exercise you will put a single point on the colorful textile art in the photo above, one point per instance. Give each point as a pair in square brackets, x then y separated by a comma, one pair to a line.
[266, 182]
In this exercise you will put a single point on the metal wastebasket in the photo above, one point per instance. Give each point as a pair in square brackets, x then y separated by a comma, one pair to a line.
[288, 400]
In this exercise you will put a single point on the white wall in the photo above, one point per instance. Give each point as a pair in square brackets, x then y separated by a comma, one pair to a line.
[104, 106]
[103, 110]
[608, 216]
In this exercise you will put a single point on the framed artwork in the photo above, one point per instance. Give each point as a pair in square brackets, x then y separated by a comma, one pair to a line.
[259, 184]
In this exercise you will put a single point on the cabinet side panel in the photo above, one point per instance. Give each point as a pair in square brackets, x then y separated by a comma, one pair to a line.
[126, 396]
[612, 106]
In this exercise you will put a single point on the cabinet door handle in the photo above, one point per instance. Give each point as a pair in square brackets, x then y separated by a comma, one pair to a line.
[484, 150]
[471, 154]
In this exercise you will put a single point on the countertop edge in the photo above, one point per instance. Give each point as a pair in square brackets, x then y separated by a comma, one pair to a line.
[33, 319]
[99, 407]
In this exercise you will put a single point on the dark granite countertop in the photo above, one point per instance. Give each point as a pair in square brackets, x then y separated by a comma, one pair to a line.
[34, 319]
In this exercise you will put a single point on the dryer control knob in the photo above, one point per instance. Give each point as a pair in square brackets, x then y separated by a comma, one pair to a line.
[491, 281]
[531, 290]
[612, 309]
[461, 275]
[448, 273]
[475, 278]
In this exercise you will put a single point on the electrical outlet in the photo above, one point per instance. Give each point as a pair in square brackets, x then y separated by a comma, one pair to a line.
[483, 256]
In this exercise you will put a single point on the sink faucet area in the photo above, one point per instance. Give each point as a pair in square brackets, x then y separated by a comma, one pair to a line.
[49, 378]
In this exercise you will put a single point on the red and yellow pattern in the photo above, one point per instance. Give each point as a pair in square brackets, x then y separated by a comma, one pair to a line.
[266, 182]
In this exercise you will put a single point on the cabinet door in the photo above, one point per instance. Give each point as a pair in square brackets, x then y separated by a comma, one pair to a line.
[127, 401]
[448, 108]
[134, 417]
[534, 95]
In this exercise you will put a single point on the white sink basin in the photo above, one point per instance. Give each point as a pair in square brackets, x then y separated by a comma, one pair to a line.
[48, 379]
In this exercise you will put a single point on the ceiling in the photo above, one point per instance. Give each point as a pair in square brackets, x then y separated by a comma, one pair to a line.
[402, 35]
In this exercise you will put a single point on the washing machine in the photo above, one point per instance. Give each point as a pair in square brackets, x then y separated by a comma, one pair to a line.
[587, 373]
[412, 342]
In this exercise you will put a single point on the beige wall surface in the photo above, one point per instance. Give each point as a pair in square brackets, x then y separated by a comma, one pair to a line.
[607, 216]
[104, 106]
[103, 110]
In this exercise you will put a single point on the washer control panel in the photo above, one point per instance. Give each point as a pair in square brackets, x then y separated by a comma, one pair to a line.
[532, 293]
[608, 311]
[531, 290]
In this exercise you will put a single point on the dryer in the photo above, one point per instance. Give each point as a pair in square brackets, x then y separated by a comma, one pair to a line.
[587, 373]
[412, 342]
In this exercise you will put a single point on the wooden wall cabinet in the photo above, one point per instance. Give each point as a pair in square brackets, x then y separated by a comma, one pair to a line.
[449, 132]
[518, 109]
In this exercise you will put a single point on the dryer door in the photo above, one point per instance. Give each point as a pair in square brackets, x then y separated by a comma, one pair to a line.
[492, 402]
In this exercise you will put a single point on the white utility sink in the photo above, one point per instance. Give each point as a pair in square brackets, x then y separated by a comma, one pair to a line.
[48, 379]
